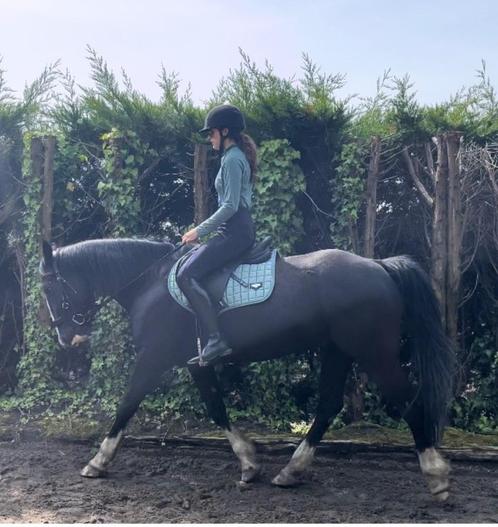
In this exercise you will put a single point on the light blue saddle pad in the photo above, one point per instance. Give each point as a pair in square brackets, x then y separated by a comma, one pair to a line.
[248, 284]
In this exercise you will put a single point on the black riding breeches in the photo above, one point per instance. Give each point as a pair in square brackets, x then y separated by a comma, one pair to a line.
[232, 239]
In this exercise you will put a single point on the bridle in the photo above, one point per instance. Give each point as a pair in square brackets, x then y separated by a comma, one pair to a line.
[77, 318]
[82, 318]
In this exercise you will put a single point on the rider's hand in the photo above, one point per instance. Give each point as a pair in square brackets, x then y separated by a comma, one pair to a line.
[190, 236]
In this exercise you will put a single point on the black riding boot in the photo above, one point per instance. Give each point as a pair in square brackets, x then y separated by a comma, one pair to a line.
[201, 303]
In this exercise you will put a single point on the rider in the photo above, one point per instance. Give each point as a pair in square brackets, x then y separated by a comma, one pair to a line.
[232, 224]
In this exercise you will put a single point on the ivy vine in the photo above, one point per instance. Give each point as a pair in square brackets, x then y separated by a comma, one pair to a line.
[38, 355]
[348, 189]
[280, 180]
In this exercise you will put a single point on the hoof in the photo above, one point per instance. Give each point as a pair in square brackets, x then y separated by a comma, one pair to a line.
[442, 496]
[439, 489]
[441, 492]
[285, 480]
[91, 471]
[250, 474]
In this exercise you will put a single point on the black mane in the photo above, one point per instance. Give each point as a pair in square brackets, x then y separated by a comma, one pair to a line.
[108, 263]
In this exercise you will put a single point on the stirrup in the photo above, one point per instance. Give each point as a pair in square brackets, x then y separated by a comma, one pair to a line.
[201, 359]
[195, 360]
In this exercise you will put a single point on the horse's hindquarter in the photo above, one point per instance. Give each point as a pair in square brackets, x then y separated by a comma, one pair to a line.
[327, 294]
[360, 300]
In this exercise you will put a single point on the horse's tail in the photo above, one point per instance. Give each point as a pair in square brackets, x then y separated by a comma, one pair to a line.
[430, 349]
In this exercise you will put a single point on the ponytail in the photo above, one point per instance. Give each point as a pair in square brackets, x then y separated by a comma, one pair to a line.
[246, 143]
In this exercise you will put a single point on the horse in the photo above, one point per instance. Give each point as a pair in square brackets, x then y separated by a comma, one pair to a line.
[347, 308]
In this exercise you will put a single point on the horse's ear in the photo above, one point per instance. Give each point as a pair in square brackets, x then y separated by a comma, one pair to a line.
[47, 254]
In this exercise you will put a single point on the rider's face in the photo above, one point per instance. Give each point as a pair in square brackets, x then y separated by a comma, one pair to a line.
[214, 136]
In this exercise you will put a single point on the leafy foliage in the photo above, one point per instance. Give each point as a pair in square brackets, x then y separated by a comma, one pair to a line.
[124, 167]
[37, 361]
[349, 186]
[279, 182]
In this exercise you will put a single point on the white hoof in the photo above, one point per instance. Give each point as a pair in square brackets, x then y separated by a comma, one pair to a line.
[436, 470]
[442, 496]
[91, 471]
[439, 487]
[285, 479]
[250, 474]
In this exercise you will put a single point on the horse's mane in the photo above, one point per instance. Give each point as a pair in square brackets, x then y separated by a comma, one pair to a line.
[107, 262]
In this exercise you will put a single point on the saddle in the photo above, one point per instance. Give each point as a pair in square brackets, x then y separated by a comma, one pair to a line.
[253, 271]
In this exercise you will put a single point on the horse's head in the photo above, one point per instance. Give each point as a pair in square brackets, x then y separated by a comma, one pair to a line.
[69, 299]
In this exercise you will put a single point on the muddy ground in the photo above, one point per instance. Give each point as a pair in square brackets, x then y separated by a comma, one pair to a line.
[40, 482]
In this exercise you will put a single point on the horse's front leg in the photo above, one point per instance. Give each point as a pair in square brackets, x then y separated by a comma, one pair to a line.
[207, 382]
[145, 379]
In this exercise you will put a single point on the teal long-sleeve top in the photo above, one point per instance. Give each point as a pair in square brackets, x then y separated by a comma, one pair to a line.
[234, 188]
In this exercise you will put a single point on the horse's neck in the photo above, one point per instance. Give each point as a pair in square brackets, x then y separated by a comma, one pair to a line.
[119, 282]
[119, 273]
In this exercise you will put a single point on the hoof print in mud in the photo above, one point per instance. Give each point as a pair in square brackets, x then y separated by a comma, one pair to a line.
[92, 472]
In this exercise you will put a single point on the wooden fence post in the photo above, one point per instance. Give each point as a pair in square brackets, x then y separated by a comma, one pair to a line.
[47, 199]
[360, 382]
[439, 226]
[371, 211]
[454, 235]
[446, 205]
[42, 167]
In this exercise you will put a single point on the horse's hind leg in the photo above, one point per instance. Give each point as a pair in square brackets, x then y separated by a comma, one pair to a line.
[395, 387]
[334, 369]
[207, 382]
[145, 379]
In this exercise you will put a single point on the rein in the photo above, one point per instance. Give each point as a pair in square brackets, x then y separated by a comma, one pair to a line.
[81, 318]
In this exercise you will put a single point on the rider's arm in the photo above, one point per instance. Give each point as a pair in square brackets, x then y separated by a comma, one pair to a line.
[228, 199]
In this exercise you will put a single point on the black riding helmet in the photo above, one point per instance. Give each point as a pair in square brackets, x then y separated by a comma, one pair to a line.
[224, 116]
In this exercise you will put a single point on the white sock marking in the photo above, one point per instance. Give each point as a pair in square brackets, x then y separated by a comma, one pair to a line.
[107, 451]
[436, 469]
[302, 458]
[242, 448]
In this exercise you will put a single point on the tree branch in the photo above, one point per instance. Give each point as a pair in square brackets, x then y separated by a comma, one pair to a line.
[430, 162]
[420, 186]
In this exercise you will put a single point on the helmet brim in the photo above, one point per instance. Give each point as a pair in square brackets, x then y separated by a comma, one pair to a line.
[204, 130]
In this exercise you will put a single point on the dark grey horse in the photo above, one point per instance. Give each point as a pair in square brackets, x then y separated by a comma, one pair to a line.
[346, 307]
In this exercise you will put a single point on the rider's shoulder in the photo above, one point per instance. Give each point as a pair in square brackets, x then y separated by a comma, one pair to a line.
[233, 156]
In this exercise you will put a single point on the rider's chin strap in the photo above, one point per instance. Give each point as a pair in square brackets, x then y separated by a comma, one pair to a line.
[222, 141]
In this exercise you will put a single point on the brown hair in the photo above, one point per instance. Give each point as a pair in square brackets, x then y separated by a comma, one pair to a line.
[246, 143]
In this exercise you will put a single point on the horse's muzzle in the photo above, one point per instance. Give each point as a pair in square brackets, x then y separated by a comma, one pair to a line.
[78, 339]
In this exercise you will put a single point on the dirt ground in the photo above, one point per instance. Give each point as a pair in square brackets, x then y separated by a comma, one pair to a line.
[40, 482]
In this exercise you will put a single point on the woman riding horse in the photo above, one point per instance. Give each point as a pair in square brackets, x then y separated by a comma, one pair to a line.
[232, 222]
